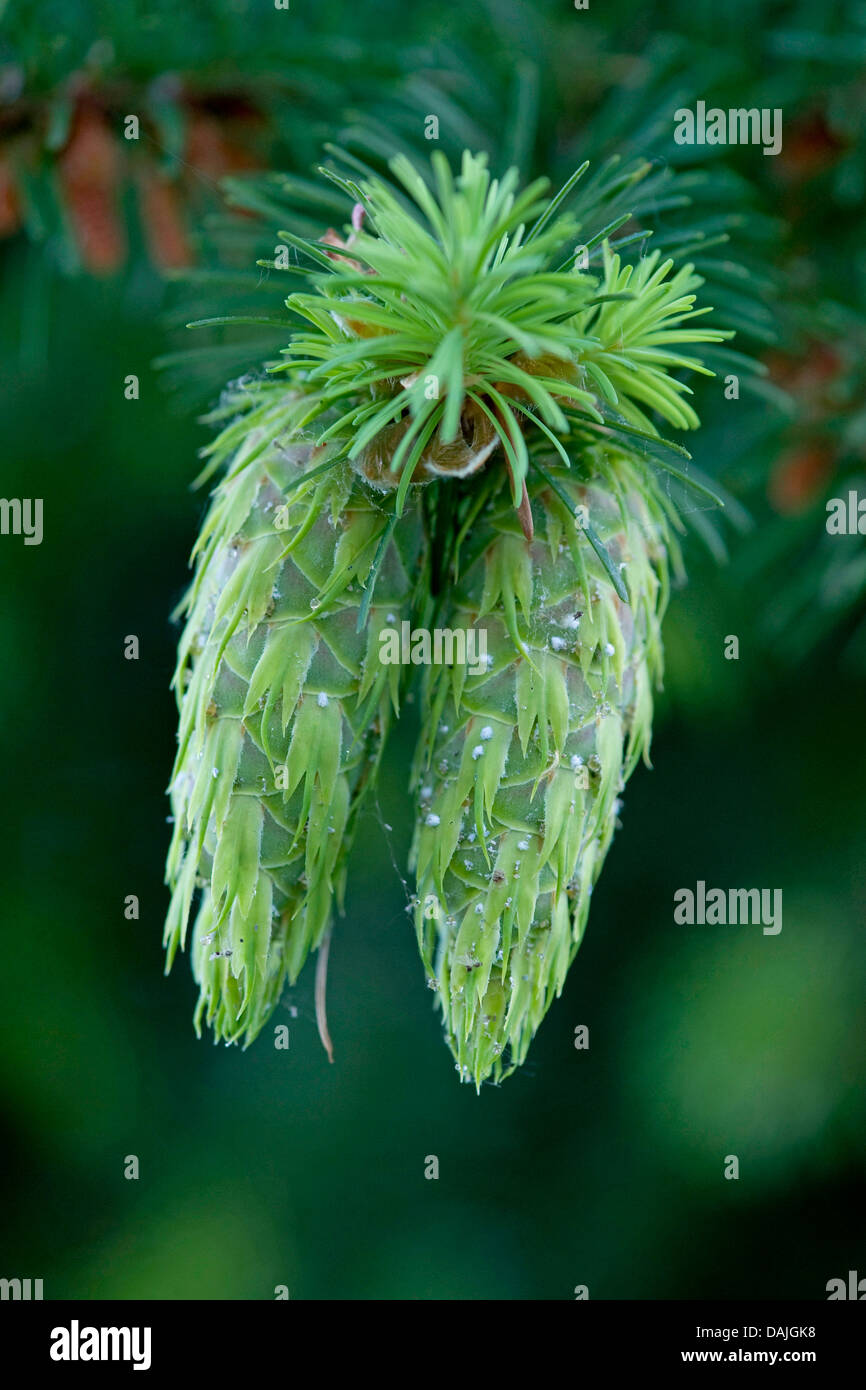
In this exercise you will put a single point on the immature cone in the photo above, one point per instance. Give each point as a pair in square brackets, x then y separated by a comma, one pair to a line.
[456, 345]
[284, 709]
[520, 767]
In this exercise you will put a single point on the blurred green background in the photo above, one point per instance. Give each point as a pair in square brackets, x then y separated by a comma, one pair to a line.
[602, 1167]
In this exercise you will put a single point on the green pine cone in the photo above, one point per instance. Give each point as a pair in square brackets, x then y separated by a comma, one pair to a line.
[461, 438]
[284, 710]
[519, 769]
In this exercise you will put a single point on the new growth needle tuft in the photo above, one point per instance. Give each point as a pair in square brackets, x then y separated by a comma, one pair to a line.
[464, 431]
